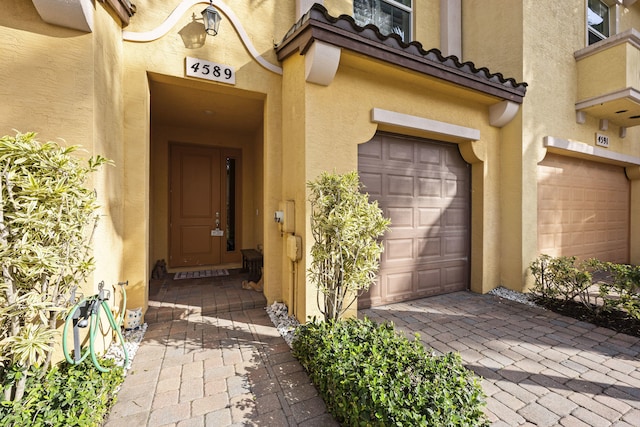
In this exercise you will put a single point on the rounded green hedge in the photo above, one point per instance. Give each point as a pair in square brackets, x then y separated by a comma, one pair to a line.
[369, 375]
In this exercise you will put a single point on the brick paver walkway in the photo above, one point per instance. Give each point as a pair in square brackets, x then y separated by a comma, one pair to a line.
[203, 364]
[539, 368]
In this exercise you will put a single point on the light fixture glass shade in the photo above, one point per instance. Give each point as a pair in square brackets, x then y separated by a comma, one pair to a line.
[211, 19]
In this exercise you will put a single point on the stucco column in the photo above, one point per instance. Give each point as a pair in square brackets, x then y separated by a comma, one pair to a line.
[292, 185]
[451, 27]
[633, 173]
[518, 218]
[136, 188]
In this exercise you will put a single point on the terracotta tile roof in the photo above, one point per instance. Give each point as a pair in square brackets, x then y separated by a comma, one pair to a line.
[343, 32]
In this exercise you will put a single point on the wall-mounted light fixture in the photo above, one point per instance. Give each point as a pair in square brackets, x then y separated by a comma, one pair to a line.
[211, 19]
[194, 34]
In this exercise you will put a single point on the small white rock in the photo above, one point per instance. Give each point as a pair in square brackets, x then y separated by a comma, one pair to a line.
[132, 340]
[285, 324]
[505, 293]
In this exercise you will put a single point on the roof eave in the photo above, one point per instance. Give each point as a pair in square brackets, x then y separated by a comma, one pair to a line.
[344, 33]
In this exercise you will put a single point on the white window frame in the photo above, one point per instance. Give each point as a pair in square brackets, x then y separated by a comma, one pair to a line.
[397, 5]
[614, 12]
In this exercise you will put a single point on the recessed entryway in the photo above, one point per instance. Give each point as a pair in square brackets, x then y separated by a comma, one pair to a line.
[206, 179]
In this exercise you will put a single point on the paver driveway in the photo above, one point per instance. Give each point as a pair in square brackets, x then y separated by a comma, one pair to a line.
[539, 368]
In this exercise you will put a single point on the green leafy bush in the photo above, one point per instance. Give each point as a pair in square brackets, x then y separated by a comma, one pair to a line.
[369, 375]
[601, 287]
[622, 290]
[47, 218]
[559, 277]
[346, 251]
[68, 395]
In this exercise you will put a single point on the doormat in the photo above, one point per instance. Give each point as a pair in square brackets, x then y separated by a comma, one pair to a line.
[199, 274]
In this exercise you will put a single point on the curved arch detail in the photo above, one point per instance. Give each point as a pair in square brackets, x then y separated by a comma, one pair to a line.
[177, 13]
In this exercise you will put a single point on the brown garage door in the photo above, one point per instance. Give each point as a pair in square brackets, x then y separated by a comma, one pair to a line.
[423, 186]
[583, 209]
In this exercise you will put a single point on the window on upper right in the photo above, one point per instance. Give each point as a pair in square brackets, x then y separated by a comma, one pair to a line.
[597, 21]
[390, 16]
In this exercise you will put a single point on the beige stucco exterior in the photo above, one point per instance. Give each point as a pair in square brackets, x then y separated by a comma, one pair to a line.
[525, 43]
[99, 89]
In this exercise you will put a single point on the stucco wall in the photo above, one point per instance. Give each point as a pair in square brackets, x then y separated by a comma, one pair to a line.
[331, 137]
[66, 86]
[521, 40]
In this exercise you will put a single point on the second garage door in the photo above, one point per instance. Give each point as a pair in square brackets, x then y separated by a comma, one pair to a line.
[583, 209]
[423, 187]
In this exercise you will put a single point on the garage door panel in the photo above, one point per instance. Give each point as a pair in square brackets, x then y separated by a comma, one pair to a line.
[455, 246]
[398, 285]
[401, 151]
[400, 217]
[429, 187]
[425, 198]
[399, 185]
[456, 218]
[430, 247]
[429, 217]
[429, 281]
[372, 183]
[455, 277]
[589, 217]
[453, 160]
[428, 155]
[453, 188]
[399, 250]
[370, 151]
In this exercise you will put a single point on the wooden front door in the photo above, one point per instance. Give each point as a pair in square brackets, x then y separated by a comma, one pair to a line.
[197, 221]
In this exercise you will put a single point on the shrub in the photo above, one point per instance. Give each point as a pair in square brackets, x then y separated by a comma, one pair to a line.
[68, 395]
[601, 287]
[46, 221]
[369, 375]
[621, 288]
[559, 277]
[346, 252]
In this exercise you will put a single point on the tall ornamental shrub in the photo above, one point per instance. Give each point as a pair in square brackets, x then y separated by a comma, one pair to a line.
[346, 251]
[47, 218]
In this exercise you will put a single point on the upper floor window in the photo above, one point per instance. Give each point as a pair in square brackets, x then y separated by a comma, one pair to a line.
[597, 21]
[390, 16]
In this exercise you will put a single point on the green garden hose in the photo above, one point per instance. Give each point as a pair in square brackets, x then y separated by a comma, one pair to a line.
[93, 312]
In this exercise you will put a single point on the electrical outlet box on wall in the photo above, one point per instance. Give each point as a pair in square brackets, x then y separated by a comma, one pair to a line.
[289, 221]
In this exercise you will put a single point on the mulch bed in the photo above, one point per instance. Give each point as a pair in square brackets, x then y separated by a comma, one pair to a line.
[616, 320]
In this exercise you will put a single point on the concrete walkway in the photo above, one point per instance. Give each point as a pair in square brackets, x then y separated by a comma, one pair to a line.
[201, 364]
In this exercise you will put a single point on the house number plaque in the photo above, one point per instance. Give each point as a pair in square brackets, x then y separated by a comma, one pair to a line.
[602, 140]
[208, 70]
